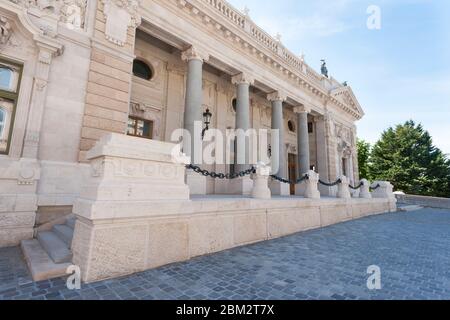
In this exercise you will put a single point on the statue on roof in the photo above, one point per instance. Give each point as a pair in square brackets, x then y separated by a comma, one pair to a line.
[324, 69]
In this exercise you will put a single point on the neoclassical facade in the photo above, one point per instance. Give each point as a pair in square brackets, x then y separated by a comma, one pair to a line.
[75, 71]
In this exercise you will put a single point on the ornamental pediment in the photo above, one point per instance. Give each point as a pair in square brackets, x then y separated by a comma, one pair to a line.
[346, 96]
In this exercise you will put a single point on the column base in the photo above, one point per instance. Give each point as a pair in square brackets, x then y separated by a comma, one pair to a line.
[279, 189]
[196, 183]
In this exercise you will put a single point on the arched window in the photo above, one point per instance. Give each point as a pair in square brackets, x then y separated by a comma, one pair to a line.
[2, 122]
[142, 70]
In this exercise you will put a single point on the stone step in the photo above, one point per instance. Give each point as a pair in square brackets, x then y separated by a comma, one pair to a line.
[409, 208]
[39, 263]
[55, 247]
[64, 232]
[71, 222]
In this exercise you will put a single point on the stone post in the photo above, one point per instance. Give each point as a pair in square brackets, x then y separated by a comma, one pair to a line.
[365, 190]
[242, 82]
[279, 161]
[311, 188]
[193, 146]
[260, 182]
[302, 145]
[384, 191]
[343, 188]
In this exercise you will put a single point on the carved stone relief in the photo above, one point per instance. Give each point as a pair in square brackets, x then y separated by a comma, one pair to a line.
[70, 12]
[120, 15]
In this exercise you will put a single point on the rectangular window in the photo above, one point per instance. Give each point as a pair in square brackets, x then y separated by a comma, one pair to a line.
[310, 127]
[10, 74]
[141, 128]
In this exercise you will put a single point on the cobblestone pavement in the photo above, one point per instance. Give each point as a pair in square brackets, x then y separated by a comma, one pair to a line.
[412, 250]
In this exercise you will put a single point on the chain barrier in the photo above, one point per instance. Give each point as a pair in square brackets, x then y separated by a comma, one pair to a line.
[215, 175]
[231, 176]
[330, 184]
[357, 187]
[299, 180]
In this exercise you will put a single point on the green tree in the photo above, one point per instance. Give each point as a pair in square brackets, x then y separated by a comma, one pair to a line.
[405, 155]
[363, 158]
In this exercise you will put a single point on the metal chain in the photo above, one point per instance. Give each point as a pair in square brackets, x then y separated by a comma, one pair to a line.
[231, 176]
[299, 180]
[221, 176]
[332, 184]
[357, 187]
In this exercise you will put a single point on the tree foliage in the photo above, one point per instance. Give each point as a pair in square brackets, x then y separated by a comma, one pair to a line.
[363, 159]
[406, 156]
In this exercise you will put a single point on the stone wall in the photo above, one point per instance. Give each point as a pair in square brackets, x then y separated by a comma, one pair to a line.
[432, 202]
[175, 232]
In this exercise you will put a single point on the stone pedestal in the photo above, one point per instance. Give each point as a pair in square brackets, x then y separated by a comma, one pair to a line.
[131, 179]
[260, 183]
[196, 183]
[343, 188]
[384, 191]
[311, 190]
[280, 189]
[365, 190]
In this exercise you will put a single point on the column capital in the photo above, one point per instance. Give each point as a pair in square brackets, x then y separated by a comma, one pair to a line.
[277, 96]
[193, 53]
[243, 78]
[302, 109]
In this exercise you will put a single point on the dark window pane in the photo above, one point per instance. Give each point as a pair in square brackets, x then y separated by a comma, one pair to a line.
[234, 104]
[310, 127]
[142, 70]
[291, 126]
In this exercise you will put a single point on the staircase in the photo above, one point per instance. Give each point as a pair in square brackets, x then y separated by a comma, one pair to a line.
[49, 254]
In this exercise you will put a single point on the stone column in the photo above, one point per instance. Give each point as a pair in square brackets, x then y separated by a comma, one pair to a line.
[193, 102]
[244, 185]
[193, 147]
[302, 145]
[279, 162]
[242, 82]
[303, 139]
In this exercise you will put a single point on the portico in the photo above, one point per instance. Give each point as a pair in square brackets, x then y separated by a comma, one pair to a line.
[88, 129]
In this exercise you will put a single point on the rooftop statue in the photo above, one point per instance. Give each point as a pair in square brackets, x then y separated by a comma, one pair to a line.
[324, 69]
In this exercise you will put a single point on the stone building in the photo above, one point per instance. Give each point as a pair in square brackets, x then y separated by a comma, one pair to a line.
[73, 71]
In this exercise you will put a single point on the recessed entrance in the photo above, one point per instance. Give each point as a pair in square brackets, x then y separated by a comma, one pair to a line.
[292, 168]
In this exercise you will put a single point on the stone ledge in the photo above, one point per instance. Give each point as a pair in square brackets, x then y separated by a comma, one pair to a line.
[103, 247]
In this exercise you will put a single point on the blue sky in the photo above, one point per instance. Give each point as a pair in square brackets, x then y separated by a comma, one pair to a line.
[399, 72]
